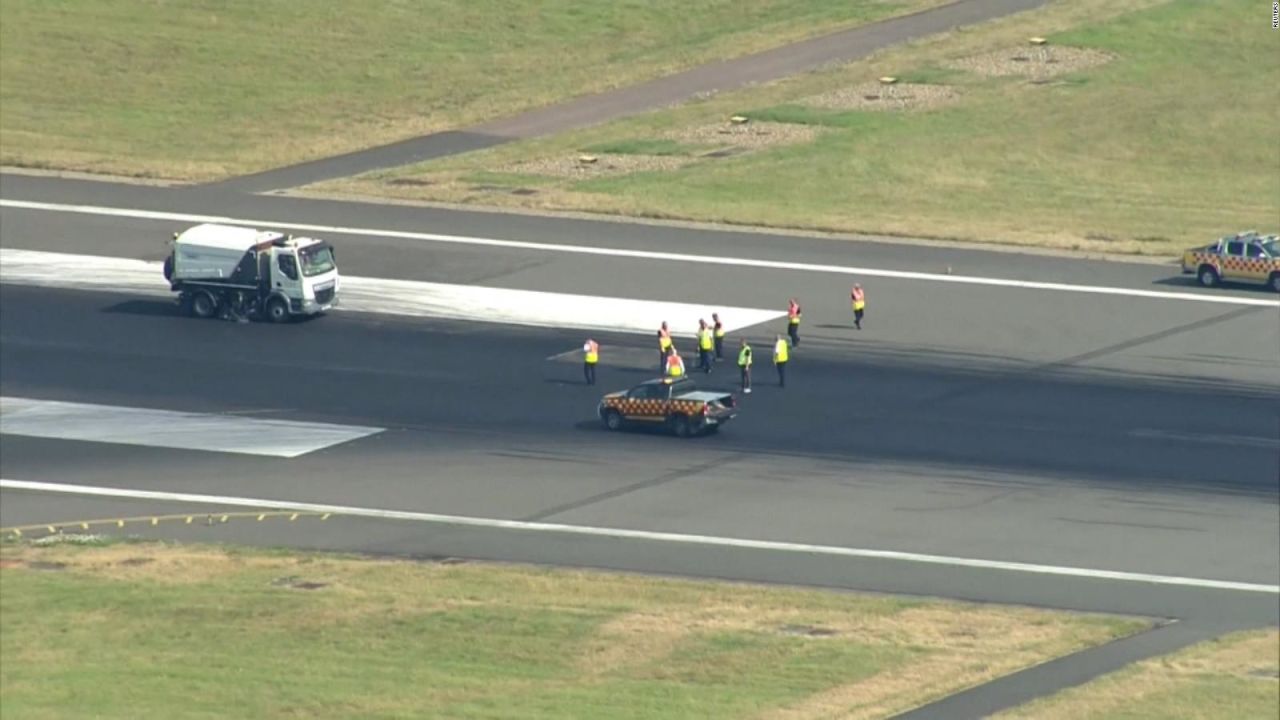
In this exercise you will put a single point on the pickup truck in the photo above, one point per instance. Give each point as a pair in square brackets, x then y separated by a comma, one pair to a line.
[1246, 257]
[673, 403]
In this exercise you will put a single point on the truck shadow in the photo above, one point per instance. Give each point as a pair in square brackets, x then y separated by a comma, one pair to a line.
[151, 308]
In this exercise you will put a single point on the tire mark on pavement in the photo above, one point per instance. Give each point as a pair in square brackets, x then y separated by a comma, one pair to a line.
[677, 474]
[1129, 344]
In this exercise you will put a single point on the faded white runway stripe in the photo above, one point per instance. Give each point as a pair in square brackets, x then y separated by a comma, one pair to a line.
[397, 297]
[169, 429]
[643, 535]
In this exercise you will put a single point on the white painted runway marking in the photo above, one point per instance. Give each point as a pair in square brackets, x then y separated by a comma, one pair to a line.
[1252, 441]
[168, 429]
[640, 535]
[1205, 297]
[398, 297]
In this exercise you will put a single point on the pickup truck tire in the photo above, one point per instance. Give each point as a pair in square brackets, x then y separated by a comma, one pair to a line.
[277, 310]
[680, 426]
[612, 419]
[1274, 284]
[203, 304]
[1207, 275]
[168, 268]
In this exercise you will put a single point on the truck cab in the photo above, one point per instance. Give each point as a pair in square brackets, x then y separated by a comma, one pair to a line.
[220, 267]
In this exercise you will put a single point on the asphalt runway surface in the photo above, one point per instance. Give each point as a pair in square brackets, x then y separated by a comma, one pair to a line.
[1092, 431]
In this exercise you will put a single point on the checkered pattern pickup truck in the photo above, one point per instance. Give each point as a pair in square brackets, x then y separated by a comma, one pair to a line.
[672, 403]
[1247, 257]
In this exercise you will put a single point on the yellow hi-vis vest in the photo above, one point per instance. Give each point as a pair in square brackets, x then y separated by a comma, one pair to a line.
[780, 352]
[719, 330]
[675, 365]
[664, 342]
[592, 352]
[704, 339]
[744, 357]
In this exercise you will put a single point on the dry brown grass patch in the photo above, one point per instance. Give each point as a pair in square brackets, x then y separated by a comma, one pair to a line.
[571, 166]
[749, 135]
[874, 96]
[1031, 62]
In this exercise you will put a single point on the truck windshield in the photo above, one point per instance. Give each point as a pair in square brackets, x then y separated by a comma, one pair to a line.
[1272, 247]
[316, 260]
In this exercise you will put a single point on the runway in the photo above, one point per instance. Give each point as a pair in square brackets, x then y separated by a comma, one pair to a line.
[1011, 424]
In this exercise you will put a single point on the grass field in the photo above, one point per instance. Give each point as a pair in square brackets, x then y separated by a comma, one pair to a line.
[1153, 129]
[140, 630]
[196, 89]
[1236, 677]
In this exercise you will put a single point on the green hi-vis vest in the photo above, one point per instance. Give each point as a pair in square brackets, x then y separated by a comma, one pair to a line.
[744, 357]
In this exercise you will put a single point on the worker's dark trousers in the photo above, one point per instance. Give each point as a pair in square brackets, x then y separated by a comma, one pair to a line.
[719, 348]
[857, 318]
[782, 373]
[793, 329]
[589, 372]
[704, 360]
[662, 362]
[746, 377]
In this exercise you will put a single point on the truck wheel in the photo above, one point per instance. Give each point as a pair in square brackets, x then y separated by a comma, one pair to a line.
[680, 424]
[277, 310]
[1208, 276]
[613, 419]
[203, 304]
[168, 268]
[1275, 282]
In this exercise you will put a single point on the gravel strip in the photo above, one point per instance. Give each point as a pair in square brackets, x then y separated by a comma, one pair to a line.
[1031, 62]
[874, 96]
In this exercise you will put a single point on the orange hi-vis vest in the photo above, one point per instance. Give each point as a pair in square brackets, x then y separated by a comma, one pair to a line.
[793, 314]
[675, 365]
[592, 351]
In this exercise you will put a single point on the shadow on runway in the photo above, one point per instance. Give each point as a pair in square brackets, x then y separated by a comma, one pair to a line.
[1190, 282]
[149, 308]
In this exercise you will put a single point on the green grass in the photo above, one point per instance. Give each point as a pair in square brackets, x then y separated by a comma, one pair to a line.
[144, 630]
[194, 89]
[1233, 677]
[1169, 143]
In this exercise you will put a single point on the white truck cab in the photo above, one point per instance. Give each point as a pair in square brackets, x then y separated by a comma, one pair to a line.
[242, 271]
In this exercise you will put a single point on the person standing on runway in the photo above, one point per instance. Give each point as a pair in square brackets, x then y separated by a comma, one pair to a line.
[719, 331]
[859, 299]
[675, 363]
[590, 356]
[744, 365]
[793, 322]
[664, 344]
[780, 360]
[705, 345]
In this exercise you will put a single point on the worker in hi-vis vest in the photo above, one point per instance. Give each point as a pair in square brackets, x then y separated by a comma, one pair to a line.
[793, 322]
[590, 356]
[858, 297]
[704, 346]
[744, 365]
[719, 332]
[780, 360]
[675, 363]
[664, 345]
